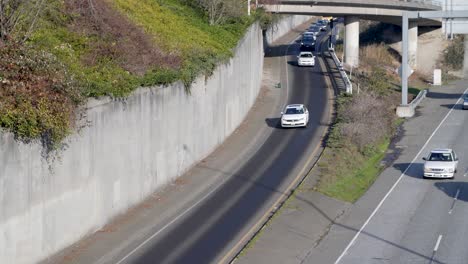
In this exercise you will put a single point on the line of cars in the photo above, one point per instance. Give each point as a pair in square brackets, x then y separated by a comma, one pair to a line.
[309, 37]
[297, 115]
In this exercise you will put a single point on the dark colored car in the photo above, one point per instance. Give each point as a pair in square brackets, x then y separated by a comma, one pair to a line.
[322, 25]
[314, 29]
[307, 43]
[465, 102]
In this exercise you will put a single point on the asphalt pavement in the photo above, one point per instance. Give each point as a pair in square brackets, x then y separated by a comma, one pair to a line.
[207, 214]
[406, 226]
[243, 177]
[422, 221]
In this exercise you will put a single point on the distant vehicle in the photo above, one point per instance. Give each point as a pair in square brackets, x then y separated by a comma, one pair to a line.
[465, 101]
[440, 163]
[295, 115]
[306, 58]
[309, 34]
[314, 29]
[329, 18]
[322, 25]
[307, 43]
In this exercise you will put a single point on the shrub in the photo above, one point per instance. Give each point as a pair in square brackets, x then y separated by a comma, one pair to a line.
[39, 96]
[454, 54]
[97, 47]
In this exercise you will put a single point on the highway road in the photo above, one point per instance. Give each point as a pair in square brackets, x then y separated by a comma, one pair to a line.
[216, 225]
[421, 221]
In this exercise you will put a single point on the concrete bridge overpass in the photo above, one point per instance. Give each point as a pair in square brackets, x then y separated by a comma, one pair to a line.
[388, 11]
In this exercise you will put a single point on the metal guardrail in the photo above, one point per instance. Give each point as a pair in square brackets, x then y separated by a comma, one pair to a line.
[421, 95]
[344, 76]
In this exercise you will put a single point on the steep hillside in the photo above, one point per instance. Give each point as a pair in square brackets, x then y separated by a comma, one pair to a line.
[71, 50]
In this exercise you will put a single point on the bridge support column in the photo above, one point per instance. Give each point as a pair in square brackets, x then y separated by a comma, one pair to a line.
[351, 41]
[465, 58]
[412, 44]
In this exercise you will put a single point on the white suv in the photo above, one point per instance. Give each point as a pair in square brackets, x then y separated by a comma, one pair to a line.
[440, 163]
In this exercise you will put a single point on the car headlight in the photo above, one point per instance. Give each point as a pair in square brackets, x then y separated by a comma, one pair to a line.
[449, 170]
[427, 169]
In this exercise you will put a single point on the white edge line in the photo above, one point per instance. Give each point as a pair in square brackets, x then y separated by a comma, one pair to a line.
[437, 243]
[204, 197]
[456, 195]
[171, 222]
[396, 183]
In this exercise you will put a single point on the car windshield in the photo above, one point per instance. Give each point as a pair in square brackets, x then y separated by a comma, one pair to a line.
[294, 111]
[465, 97]
[306, 55]
[440, 157]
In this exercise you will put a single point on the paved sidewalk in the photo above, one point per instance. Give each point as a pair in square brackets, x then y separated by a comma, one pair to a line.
[313, 228]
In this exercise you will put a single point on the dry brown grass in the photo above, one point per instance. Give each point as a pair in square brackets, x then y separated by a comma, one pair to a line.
[116, 38]
[368, 118]
[377, 55]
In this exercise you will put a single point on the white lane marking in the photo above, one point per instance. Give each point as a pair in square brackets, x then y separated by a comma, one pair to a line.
[195, 204]
[396, 183]
[456, 195]
[437, 243]
[454, 201]
[171, 222]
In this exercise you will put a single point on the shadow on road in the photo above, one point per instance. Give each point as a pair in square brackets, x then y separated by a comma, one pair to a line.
[293, 63]
[415, 171]
[451, 188]
[439, 95]
[365, 233]
[281, 50]
[273, 122]
[455, 106]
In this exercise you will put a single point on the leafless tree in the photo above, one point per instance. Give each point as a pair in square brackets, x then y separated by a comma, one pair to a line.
[19, 15]
[221, 10]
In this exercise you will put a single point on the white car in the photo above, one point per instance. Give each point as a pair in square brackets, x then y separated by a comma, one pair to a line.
[306, 58]
[440, 163]
[295, 115]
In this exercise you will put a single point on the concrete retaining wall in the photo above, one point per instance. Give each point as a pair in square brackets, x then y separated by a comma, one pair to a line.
[131, 148]
[284, 26]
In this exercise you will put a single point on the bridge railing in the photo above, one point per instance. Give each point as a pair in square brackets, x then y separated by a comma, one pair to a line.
[427, 2]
